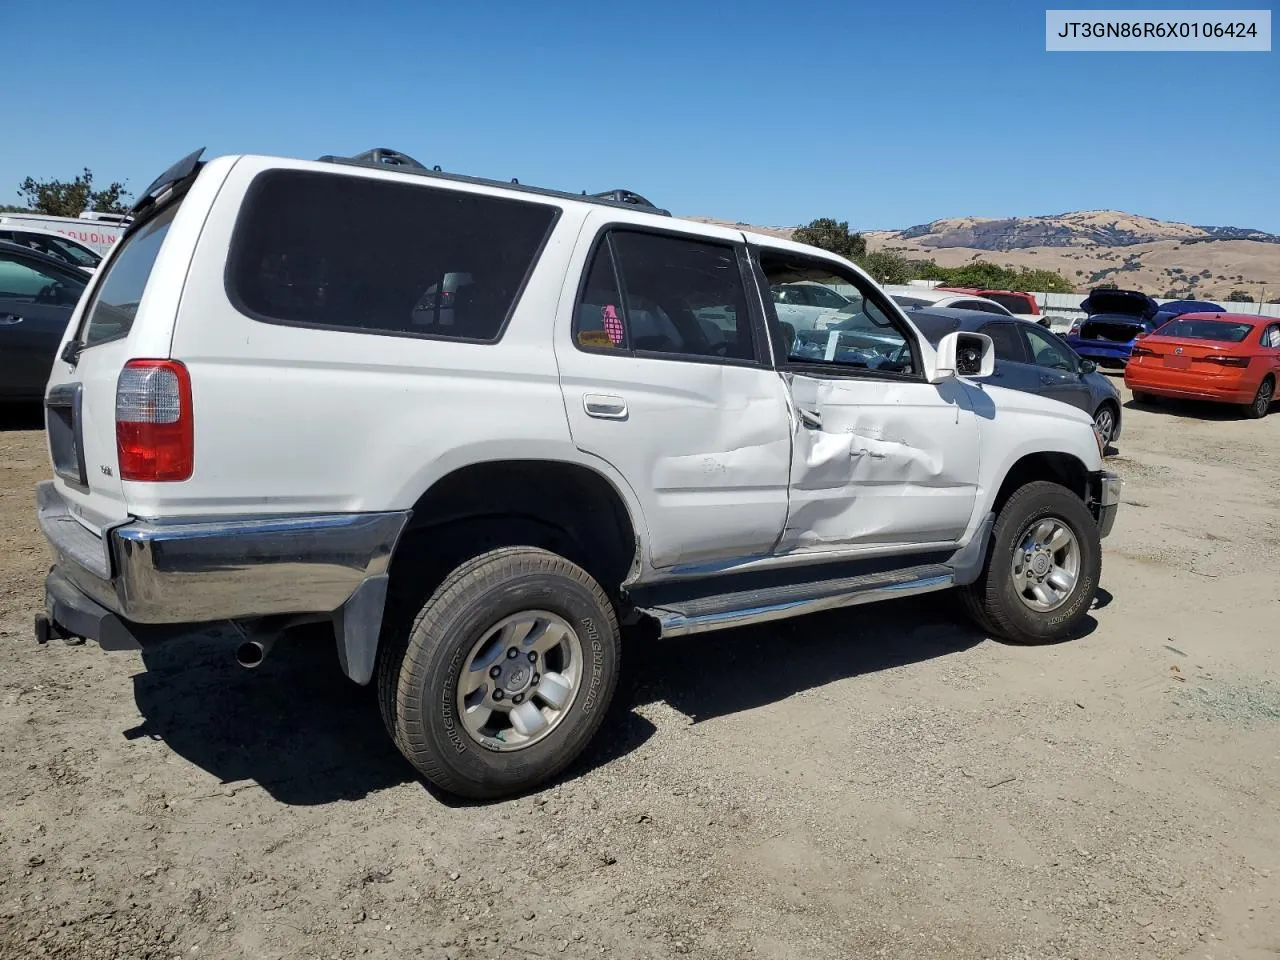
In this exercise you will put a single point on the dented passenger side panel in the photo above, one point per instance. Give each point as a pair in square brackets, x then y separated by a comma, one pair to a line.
[878, 462]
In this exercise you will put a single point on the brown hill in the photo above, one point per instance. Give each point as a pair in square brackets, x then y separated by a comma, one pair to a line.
[1098, 246]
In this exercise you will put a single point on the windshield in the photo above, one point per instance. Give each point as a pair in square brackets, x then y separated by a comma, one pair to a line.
[1218, 330]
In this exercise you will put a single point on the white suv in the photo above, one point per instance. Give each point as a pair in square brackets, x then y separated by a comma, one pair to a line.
[260, 415]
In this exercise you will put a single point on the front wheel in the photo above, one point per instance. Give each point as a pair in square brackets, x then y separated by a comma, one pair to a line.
[505, 676]
[1262, 400]
[1042, 567]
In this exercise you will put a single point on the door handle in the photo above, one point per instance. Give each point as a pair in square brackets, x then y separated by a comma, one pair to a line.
[604, 407]
[810, 418]
[9, 319]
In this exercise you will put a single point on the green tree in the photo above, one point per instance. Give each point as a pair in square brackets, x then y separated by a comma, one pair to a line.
[830, 235]
[886, 266]
[62, 198]
[1239, 296]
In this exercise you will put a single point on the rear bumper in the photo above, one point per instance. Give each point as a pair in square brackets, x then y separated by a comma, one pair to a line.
[200, 571]
[1105, 490]
[1103, 352]
[1187, 387]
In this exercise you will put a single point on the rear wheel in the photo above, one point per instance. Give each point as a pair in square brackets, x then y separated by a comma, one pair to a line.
[1143, 398]
[1262, 400]
[505, 675]
[1042, 567]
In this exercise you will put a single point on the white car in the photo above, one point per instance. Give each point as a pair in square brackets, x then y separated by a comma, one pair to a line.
[922, 297]
[97, 231]
[810, 306]
[56, 245]
[260, 416]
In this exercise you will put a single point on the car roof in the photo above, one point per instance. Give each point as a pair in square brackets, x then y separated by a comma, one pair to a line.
[983, 291]
[936, 322]
[924, 293]
[44, 259]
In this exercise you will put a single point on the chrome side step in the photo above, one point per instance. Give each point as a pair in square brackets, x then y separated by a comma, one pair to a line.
[728, 610]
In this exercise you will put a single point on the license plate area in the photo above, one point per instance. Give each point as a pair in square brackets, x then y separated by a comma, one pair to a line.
[66, 442]
[1178, 363]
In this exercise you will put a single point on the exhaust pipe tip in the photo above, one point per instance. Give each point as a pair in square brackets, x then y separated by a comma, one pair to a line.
[251, 653]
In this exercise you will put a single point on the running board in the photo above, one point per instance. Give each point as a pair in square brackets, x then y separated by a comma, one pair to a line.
[699, 615]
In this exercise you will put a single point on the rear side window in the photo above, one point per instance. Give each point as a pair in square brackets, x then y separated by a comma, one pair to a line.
[378, 256]
[1007, 343]
[116, 300]
[980, 305]
[660, 294]
[1011, 303]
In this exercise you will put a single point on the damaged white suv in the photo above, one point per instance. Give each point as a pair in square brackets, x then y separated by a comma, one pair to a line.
[480, 428]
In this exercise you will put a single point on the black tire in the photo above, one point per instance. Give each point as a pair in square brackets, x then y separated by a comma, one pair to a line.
[1262, 400]
[1114, 410]
[1143, 398]
[994, 603]
[419, 671]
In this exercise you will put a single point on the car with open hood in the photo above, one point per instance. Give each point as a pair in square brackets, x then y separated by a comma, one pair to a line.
[1113, 321]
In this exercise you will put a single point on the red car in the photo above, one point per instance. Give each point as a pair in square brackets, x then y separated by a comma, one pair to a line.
[1021, 305]
[1226, 357]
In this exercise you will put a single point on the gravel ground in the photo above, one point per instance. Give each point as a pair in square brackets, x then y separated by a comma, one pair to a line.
[879, 782]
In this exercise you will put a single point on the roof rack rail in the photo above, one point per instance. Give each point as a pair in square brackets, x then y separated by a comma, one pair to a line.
[624, 196]
[386, 157]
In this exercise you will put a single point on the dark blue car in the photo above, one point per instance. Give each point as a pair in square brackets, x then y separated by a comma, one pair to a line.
[1032, 359]
[1116, 317]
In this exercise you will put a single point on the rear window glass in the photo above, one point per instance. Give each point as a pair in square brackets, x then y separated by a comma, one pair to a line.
[118, 295]
[1206, 330]
[1011, 303]
[379, 256]
[912, 302]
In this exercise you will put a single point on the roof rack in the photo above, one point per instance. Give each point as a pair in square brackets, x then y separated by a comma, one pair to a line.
[385, 157]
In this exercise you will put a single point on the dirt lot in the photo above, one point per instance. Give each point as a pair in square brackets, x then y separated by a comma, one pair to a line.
[878, 782]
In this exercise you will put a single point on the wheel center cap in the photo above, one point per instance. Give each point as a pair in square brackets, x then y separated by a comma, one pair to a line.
[1040, 565]
[516, 677]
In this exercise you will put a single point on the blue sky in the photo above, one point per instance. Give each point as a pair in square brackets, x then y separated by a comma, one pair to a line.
[884, 115]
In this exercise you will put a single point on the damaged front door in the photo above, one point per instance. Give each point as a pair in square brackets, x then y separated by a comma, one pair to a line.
[879, 462]
[880, 457]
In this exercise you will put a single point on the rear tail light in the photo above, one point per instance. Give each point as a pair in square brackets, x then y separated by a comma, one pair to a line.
[155, 430]
[1225, 361]
[1075, 329]
[1142, 352]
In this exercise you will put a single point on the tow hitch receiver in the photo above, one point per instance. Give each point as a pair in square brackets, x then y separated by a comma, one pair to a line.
[47, 630]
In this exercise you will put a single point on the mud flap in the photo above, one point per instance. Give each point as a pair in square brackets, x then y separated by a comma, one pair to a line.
[357, 625]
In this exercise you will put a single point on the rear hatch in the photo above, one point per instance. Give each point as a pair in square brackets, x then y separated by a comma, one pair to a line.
[126, 313]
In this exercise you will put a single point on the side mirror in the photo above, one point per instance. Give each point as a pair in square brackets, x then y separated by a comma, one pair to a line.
[962, 354]
[1087, 366]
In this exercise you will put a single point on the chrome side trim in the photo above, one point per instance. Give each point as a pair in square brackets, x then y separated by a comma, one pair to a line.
[675, 623]
[177, 572]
